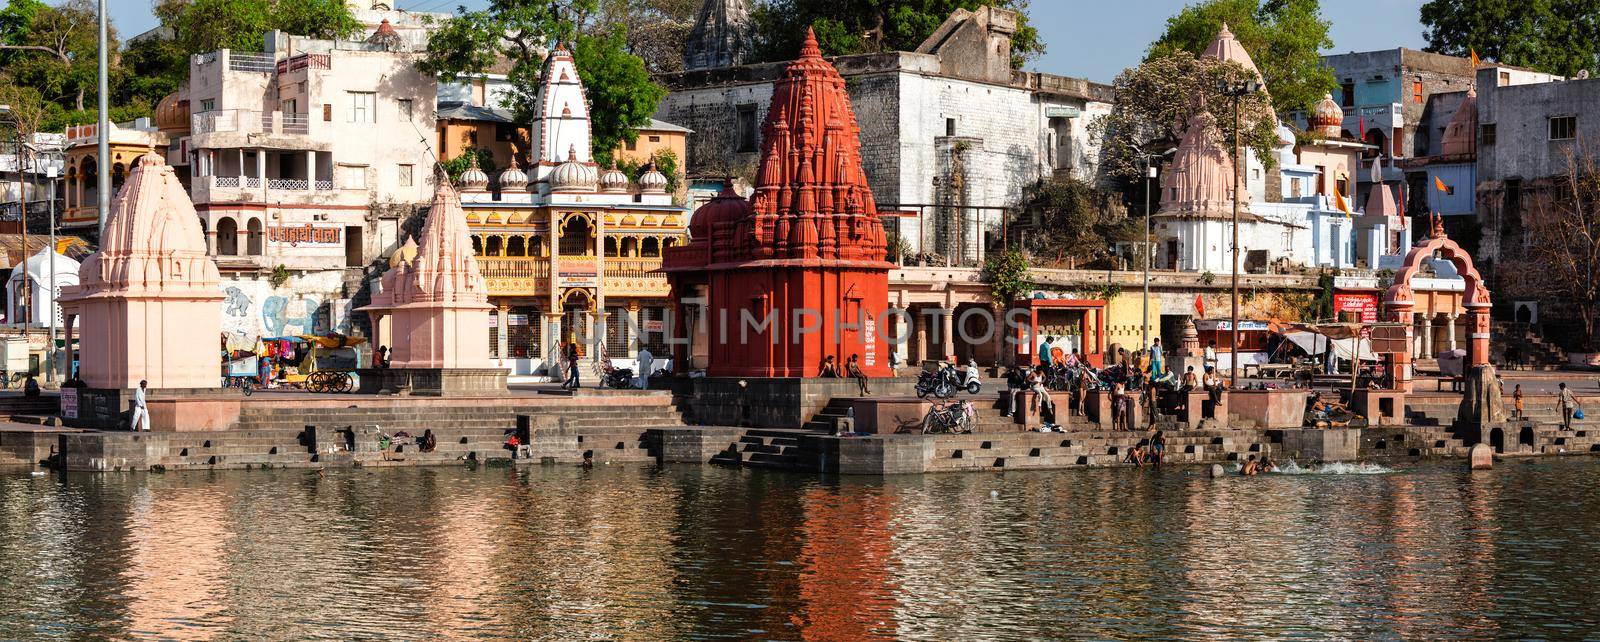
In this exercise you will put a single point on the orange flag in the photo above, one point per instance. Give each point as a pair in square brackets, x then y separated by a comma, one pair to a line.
[1339, 202]
[1474, 53]
[1440, 184]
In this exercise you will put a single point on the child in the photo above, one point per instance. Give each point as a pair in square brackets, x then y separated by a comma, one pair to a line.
[1517, 395]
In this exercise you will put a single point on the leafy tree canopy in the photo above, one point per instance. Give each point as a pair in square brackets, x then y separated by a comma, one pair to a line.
[1285, 38]
[1071, 218]
[52, 49]
[199, 26]
[620, 92]
[868, 26]
[1557, 36]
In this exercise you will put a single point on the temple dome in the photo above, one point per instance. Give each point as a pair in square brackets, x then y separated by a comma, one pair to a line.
[513, 178]
[1200, 182]
[473, 180]
[1327, 118]
[726, 206]
[1226, 47]
[172, 114]
[613, 180]
[652, 181]
[1460, 136]
[573, 176]
[405, 254]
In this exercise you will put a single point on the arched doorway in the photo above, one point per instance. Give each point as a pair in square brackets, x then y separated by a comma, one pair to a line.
[253, 237]
[1400, 301]
[576, 305]
[1497, 440]
[577, 237]
[1526, 437]
[227, 236]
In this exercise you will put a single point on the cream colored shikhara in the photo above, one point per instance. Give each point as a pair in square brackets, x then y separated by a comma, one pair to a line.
[438, 299]
[148, 300]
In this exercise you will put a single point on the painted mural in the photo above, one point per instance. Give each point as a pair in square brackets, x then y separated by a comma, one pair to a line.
[304, 305]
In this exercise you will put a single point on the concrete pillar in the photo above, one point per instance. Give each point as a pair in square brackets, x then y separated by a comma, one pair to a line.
[311, 171]
[1400, 312]
[634, 322]
[503, 341]
[919, 338]
[1450, 330]
[600, 279]
[947, 334]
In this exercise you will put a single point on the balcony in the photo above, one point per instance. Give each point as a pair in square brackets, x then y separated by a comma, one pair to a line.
[236, 189]
[305, 61]
[530, 276]
[244, 127]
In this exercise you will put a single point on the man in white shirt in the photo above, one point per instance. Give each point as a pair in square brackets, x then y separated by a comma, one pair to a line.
[646, 362]
[1211, 354]
[141, 415]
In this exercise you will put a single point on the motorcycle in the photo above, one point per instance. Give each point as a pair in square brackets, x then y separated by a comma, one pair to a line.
[618, 378]
[934, 383]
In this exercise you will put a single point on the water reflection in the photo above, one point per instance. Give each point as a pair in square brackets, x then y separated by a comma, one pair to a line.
[625, 553]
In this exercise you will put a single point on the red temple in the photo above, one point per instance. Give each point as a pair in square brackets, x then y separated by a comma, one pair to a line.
[806, 251]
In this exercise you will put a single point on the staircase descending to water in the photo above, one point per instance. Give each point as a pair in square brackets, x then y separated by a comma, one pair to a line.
[1532, 350]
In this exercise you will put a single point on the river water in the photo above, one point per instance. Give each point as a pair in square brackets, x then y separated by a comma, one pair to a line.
[689, 553]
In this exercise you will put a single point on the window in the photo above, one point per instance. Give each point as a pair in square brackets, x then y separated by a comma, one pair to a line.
[1486, 133]
[1347, 93]
[1343, 186]
[1505, 78]
[1416, 91]
[404, 105]
[631, 145]
[327, 112]
[1294, 188]
[406, 174]
[655, 139]
[208, 104]
[747, 128]
[1563, 127]
[353, 176]
[503, 132]
[949, 126]
[363, 107]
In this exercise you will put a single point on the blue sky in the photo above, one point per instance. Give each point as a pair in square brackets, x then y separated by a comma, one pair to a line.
[1087, 38]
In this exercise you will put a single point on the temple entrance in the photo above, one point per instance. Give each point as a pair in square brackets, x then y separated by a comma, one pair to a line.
[1404, 305]
[576, 324]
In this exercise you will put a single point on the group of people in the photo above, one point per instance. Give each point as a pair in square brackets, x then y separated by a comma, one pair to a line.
[852, 368]
[1148, 452]
[1253, 466]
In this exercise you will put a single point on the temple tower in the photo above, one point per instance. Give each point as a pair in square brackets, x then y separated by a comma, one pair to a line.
[806, 251]
[721, 36]
[560, 129]
[149, 299]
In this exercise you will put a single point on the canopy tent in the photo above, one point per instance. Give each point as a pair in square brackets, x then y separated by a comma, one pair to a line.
[1315, 344]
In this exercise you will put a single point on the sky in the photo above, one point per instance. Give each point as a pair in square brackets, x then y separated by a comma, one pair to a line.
[1094, 39]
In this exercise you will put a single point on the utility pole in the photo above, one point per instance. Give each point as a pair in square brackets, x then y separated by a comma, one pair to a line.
[50, 347]
[1149, 167]
[1236, 90]
[102, 127]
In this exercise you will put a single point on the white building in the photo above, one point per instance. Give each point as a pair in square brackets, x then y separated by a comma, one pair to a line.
[36, 274]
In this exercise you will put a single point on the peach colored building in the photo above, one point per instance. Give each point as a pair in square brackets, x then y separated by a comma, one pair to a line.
[80, 186]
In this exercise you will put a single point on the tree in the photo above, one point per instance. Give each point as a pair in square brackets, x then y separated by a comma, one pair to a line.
[52, 49]
[1007, 275]
[1557, 36]
[868, 26]
[1285, 38]
[199, 26]
[1562, 255]
[1070, 218]
[656, 29]
[1156, 100]
[620, 93]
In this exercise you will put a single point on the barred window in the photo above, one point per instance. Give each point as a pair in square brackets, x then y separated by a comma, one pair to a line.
[494, 334]
[524, 326]
[653, 323]
[617, 333]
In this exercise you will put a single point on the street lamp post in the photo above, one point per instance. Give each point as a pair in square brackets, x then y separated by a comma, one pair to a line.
[1236, 90]
[1147, 167]
[22, 211]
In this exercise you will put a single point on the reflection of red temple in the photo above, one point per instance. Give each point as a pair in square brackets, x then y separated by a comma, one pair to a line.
[806, 251]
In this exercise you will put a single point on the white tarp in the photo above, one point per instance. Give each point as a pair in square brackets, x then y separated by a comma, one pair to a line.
[1315, 344]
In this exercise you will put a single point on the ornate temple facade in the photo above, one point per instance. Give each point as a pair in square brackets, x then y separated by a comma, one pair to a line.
[803, 257]
[569, 249]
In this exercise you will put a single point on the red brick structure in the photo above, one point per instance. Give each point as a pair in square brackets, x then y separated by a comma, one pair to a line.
[806, 251]
[1400, 300]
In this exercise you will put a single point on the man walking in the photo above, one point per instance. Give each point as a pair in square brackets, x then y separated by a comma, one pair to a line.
[1569, 403]
[141, 415]
[646, 362]
[571, 357]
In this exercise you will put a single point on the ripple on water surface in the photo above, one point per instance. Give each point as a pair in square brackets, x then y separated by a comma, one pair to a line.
[683, 553]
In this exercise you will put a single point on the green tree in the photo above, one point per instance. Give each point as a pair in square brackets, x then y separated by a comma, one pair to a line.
[199, 26]
[620, 93]
[1556, 36]
[1069, 217]
[51, 49]
[1156, 100]
[1285, 38]
[1007, 275]
[867, 26]
[656, 29]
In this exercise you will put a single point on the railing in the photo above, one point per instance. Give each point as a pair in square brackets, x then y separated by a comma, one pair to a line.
[323, 185]
[288, 183]
[515, 268]
[224, 181]
[254, 63]
[205, 58]
[252, 182]
[632, 267]
[294, 124]
[226, 120]
[305, 61]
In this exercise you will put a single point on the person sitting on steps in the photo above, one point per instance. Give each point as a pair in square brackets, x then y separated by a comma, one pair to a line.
[852, 368]
[829, 368]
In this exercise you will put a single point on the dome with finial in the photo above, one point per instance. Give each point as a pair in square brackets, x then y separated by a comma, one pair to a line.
[473, 180]
[1327, 118]
[385, 36]
[172, 115]
[613, 180]
[513, 178]
[652, 181]
[404, 254]
[573, 176]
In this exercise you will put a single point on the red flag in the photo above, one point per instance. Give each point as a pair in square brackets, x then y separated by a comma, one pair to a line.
[1200, 306]
[1362, 124]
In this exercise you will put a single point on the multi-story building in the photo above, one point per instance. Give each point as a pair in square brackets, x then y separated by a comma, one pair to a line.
[945, 130]
[307, 159]
[569, 249]
[81, 182]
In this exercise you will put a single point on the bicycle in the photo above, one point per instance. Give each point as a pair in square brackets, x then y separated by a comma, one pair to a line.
[953, 418]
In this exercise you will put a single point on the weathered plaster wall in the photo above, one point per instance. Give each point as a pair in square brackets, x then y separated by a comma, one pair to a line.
[252, 308]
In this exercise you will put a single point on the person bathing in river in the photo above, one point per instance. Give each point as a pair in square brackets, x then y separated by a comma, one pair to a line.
[1158, 446]
[1251, 467]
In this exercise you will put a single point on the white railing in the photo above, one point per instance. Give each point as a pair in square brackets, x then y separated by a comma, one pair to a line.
[252, 182]
[295, 124]
[287, 183]
[225, 120]
[224, 181]
[323, 186]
